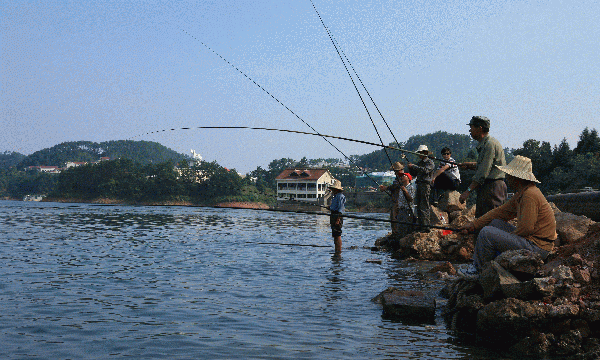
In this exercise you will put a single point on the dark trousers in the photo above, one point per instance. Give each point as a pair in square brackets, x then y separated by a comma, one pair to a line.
[490, 195]
[445, 182]
[422, 201]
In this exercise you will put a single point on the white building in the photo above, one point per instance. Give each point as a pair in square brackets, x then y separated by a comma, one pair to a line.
[303, 184]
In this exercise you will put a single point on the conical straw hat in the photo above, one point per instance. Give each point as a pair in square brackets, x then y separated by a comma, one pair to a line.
[520, 167]
[397, 166]
[337, 185]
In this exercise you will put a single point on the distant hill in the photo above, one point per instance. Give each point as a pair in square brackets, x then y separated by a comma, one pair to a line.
[9, 159]
[143, 152]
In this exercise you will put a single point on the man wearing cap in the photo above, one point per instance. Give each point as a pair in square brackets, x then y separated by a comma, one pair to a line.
[402, 200]
[536, 225]
[338, 203]
[423, 171]
[488, 179]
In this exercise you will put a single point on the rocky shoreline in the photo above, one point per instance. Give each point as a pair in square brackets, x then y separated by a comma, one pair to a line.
[520, 305]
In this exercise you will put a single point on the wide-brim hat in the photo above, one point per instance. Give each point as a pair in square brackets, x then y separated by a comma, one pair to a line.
[520, 167]
[424, 149]
[336, 185]
[397, 166]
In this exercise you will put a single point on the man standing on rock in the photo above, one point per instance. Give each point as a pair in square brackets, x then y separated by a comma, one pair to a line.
[536, 225]
[402, 194]
[488, 179]
[423, 171]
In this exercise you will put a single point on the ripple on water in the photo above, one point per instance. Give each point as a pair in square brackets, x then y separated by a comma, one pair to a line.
[96, 282]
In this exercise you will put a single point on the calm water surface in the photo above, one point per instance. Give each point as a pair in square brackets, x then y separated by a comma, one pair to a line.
[82, 281]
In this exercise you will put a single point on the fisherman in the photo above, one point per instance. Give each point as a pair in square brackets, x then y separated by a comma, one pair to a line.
[536, 225]
[423, 171]
[402, 194]
[336, 220]
[488, 179]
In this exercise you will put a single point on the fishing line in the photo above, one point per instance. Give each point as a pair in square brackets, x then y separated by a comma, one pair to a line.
[369, 94]
[282, 104]
[352, 79]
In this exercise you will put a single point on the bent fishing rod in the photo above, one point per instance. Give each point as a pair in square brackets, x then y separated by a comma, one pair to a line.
[282, 104]
[303, 133]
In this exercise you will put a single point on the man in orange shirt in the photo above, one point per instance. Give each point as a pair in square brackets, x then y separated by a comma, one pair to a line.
[536, 225]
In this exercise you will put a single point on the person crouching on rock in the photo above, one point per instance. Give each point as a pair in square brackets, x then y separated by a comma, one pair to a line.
[335, 218]
[536, 225]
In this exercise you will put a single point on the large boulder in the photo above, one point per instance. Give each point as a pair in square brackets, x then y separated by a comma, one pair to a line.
[507, 321]
[571, 228]
[449, 202]
[497, 283]
[408, 306]
[520, 262]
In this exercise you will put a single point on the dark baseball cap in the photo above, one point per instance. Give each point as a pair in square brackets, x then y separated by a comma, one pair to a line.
[480, 121]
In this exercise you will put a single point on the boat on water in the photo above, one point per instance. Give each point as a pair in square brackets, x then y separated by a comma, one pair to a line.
[29, 197]
[586, 203]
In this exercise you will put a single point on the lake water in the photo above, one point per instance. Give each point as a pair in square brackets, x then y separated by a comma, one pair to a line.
[81, 281]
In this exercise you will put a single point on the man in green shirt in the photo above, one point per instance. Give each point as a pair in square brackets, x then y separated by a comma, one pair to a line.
[488, 179]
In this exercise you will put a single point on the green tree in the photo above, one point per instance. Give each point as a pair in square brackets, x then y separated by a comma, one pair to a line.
[589, 142]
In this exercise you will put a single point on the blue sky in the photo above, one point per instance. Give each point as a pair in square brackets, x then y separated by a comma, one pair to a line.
[114, 70]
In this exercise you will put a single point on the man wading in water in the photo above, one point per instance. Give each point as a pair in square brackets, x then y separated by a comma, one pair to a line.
[335, 219]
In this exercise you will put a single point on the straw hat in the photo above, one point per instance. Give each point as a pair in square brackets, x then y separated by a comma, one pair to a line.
[423, 149]
[397, 166]
[519, 167]
[337, 185]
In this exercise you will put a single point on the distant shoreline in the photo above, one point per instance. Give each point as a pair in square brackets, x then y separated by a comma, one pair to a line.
[226, 204]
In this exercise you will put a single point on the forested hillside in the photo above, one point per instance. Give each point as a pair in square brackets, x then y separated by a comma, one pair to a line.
[10, 158]
[143, 152]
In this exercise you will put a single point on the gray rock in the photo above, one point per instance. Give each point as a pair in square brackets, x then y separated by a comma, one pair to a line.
[507, 321]
[412, 306]
[497, 282]
[563, 274]
[543, 286]
[449, 202]
[522, 261]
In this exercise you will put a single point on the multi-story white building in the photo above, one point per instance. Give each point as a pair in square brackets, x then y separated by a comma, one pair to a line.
[303, 184]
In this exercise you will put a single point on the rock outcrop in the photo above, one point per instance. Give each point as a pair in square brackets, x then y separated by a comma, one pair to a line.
[527, 307]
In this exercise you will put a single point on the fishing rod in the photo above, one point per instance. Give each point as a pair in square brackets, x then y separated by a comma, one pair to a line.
[341, 215]
[352, 79]
[324, 214]
[303, 133]
[282, 104]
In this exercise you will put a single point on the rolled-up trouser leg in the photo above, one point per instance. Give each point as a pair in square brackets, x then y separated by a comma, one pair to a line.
[497, 238]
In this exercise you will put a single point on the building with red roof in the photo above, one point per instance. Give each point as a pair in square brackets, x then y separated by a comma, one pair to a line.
[303, 184]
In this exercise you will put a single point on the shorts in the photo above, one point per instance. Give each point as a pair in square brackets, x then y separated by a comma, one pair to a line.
[336, 227]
